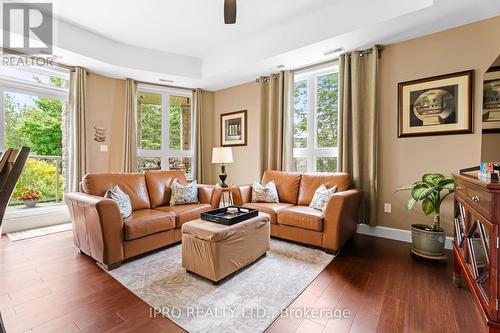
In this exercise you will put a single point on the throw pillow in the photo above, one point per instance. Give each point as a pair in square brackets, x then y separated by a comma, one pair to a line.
[182, 195]
[266, 193]
[122, 199]
[321, 196]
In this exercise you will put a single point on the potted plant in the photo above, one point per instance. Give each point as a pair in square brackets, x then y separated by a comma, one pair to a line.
[428, 241]
[29, 197]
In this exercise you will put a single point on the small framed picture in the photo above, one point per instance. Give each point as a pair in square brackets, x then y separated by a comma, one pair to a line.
[233, 129]
[491, 101]
[438, 105]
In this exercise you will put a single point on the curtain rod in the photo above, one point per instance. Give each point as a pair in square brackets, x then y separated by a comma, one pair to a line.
[165, 85]
[267, 77]
[362, 52]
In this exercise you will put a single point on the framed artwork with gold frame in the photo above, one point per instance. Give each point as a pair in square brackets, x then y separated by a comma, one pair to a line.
[233, 127]
[438, 105]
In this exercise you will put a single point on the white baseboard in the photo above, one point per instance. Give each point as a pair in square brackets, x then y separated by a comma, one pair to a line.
[19, 219]
[391, 233]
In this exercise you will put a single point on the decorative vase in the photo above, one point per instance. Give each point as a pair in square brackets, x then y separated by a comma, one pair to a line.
[30, 203]
[427, 242]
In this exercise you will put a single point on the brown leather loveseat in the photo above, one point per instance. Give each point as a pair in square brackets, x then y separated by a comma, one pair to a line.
[292, 219]
[99, 230]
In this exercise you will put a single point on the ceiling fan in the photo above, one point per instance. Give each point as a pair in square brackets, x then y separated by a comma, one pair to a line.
[229, 11]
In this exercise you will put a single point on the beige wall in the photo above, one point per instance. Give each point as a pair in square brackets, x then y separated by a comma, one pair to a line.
[402, 161]
[105, 107]
[246, 166]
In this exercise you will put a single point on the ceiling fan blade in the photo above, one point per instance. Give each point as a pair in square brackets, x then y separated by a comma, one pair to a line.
[229, 11]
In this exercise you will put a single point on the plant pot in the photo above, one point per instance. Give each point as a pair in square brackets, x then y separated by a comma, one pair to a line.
[30, 203]
[427, 242]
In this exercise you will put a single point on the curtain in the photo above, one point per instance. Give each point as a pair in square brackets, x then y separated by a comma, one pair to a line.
[358, 125]
[199, 121]
[275, 93]
[129, 159]
[78, 164]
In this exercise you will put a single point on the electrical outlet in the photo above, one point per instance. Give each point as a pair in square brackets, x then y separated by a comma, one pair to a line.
[387, 208]
[104, 148]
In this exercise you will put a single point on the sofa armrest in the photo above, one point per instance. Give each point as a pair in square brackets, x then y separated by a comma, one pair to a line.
[97, 227]
[209, 194]
[242, 194]
[341, 218]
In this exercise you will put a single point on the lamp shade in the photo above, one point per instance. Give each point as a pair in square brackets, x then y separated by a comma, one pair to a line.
[222, 155]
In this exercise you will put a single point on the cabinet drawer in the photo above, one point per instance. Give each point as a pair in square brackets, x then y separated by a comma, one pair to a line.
[461, 188]
[480, 200]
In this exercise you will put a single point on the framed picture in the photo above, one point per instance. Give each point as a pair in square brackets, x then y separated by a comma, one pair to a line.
[491, 101]
[438, 105]
[233, 129]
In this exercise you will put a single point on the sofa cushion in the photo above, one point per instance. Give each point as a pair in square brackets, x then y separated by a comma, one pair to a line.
[311, 181]
[146, 222]
[159, 183]
[183, 194]
[122, 200]
[265, 193]
[287, 184]
[185, 213]
[302, 217]
[270, 209]
[134, 184]
[321, 197]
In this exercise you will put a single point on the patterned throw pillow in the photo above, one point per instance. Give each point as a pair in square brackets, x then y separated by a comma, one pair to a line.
[182, 195]
[122, 199]
[321, 196]
[266, 193]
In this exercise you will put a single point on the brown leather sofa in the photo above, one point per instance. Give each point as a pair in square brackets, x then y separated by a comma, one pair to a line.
[292, 219]
[99, 230]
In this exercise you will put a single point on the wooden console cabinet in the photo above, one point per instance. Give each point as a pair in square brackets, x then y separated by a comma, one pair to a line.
[476, 243]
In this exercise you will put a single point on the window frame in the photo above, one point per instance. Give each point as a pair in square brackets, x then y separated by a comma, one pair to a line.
[15, 85]
[311, 152]
[165, 152]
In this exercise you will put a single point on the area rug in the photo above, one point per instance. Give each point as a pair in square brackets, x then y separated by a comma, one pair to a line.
[25, 234]
[248, 301]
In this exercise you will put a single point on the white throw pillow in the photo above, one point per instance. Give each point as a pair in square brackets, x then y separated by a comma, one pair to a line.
[321, 196]
[122, 199]
[182, 195]
[266, 193]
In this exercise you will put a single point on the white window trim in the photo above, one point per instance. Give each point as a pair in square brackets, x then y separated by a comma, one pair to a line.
[311, 153]
[11, 84]
[165, 151]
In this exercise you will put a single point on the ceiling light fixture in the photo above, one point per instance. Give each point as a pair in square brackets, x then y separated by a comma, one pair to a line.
[166, 80]
[337, 50]
[280, 66]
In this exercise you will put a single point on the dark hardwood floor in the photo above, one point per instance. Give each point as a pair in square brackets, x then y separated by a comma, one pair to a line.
[46, 286]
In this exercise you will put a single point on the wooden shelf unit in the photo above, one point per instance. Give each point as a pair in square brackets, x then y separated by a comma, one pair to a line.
[476, 242]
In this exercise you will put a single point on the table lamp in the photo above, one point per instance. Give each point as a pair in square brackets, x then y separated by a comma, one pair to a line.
[222, 155]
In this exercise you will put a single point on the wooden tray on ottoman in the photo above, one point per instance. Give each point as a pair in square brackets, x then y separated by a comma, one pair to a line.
[221, 215]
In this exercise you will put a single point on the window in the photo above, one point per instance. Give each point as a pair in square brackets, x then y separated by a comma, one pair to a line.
[33, 103]
[166, 133]
[315, 120]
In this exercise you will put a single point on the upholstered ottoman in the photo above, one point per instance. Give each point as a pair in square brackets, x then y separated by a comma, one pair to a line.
[214, 250]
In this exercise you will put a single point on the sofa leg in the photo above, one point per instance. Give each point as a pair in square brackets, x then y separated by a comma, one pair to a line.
[112, 266]
[332, 252]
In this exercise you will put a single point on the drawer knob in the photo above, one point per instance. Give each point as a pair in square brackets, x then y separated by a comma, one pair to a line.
[475, 198]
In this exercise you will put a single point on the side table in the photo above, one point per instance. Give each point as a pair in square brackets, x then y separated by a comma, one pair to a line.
[226, 198]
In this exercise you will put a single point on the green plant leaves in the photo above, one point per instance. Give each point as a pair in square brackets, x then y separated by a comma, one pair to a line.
[410, 204]
[432, 178]
[427, 207]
